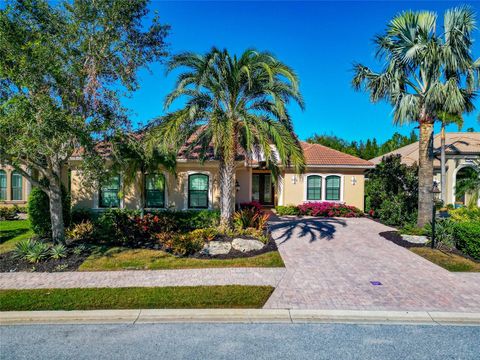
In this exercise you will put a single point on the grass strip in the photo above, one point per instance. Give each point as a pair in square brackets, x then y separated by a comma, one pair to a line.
[449, 261]
[147, 259]
[185, 297]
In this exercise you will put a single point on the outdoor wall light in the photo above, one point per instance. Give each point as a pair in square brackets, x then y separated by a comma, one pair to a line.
[354, 180]
[294, 179]
[237, 185]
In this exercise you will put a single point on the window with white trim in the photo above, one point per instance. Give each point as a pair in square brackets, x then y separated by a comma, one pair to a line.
[109, 196]
[314, 187]
[332, 188]
[17, 186]
[155, 191]
[3, 185]
[198, 191]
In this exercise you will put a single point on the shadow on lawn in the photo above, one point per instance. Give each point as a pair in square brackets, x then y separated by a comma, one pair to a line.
[10, 234]
[314, 228]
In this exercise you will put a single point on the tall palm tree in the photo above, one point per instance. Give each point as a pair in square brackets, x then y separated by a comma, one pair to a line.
[132, 157]
[425, 72]
[233, 103]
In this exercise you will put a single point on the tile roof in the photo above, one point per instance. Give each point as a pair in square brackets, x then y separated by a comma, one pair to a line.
[315, 154]
[320, 155]
[457, 143]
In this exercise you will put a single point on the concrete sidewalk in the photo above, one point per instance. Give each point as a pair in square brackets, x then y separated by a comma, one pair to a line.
[236, 316]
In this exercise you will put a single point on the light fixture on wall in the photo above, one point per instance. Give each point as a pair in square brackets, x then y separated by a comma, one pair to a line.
[237, 185]
[354, 180]
[294, 179]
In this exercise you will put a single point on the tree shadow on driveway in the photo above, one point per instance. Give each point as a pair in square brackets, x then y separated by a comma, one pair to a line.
[284, 229]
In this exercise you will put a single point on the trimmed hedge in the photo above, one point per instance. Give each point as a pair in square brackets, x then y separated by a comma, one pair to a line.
[287, 210]
[467, 236]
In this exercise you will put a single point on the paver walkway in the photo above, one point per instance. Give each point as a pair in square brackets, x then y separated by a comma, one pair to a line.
[140, 278]
[331, 262]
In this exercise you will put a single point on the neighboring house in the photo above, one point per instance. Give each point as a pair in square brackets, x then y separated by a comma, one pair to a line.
[330, 176]
[462, 151]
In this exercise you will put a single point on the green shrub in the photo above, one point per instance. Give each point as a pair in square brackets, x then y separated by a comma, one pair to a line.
[184, 244]
[412, 229]
[23, 247]
[80, 215]
[287, 210]
[31, 250]
[393, 211]
[444, 233]
[193, 219]
[8, 213]
[465, 214]
[58, 252]
[81, 232]
[38, 252]
[39, 212]
[392, 191]
[116, 225]
[467, 236]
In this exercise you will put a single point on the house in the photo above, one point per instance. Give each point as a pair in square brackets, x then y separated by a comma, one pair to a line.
[330, 176]
[462, 153]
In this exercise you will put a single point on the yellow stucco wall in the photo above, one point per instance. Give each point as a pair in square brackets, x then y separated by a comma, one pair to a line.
[287, 192]
[294, 191]
[176, 189]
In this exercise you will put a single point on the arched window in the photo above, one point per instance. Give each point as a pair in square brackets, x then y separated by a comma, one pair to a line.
[198, 191]
[17, 189]
[314, 187]
[109, 193]
[3, 185]
[154, 191]
[332, 187]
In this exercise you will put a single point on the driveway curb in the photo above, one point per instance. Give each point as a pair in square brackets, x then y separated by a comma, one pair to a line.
[236, 316]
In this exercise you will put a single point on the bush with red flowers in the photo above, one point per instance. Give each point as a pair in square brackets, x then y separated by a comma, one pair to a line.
[329, 209]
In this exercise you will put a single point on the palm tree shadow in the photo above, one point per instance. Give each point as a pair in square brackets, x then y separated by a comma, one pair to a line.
[314, 228]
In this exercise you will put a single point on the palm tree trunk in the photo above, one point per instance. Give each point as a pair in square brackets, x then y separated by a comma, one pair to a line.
[443, 175]
[425, 173]
[227, 188]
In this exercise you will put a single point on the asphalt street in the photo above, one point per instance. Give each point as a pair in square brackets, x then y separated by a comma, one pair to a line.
[239, 341]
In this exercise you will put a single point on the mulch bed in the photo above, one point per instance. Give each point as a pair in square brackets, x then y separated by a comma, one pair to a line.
[396, 238]
[8, 263]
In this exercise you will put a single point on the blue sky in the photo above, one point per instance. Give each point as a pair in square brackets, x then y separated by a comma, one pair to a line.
[320, 40]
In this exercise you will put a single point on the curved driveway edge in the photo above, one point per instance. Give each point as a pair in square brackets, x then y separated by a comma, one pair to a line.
[142, 278]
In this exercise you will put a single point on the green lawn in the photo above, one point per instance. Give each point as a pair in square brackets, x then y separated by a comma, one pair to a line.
[451, 262]
[146, 259]
[11, 232]
[231, 296]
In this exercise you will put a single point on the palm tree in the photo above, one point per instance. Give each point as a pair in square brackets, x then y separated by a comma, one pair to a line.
[131, 155]
[233, 103]
[425, 73]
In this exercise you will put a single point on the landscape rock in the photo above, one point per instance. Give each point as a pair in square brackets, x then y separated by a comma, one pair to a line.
[415, 239]
[217, 248]
[246, 245]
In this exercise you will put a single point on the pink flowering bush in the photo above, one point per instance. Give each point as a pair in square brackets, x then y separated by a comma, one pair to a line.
[329, 209]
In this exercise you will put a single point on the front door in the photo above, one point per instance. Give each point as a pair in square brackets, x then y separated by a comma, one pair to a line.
[262, 188]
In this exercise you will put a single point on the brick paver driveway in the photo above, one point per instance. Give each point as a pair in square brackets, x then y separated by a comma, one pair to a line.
[331, 263]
